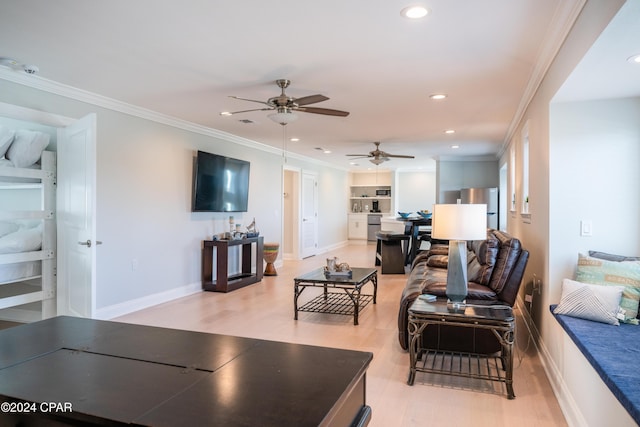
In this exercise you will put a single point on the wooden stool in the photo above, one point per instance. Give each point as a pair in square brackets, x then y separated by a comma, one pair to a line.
[389, 251]
[270, 253]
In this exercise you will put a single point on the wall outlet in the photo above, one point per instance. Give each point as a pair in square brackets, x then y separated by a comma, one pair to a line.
[134, 264]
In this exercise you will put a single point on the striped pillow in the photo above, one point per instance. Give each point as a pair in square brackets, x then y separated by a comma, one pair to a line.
[591, 302]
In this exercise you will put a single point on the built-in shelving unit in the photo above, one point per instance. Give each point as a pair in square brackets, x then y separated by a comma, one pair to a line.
[365, 188]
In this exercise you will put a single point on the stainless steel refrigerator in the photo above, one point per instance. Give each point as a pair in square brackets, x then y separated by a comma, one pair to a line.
[483, 196]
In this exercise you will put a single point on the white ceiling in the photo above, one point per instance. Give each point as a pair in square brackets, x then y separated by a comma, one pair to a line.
[185, 58]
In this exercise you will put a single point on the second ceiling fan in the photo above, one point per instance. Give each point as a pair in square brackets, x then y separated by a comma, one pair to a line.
[378, 156]
[285, 105]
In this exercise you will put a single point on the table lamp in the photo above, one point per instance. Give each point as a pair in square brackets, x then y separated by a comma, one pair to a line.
[458, 223]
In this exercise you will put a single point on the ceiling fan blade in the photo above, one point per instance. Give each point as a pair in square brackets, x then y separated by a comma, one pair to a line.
[311, 99]
[325, 111]
[399, 156]
[250, 100]
[231, 113]
[361, 155]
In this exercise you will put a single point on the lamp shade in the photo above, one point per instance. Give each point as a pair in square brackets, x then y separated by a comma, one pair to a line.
[459, 222]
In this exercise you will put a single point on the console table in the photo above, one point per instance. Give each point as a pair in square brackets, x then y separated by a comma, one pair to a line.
[75, 371]
[224, 282]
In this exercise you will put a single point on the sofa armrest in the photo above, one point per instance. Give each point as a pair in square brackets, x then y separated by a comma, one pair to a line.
[510, 291]
[409, 295]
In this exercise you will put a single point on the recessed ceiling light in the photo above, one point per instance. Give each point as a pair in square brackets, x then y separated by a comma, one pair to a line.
[327, 151]
[449, 131]
[295, 139]
[225, 113]
[437, 96]
[455, 147]
[635, 59]
[414, 11]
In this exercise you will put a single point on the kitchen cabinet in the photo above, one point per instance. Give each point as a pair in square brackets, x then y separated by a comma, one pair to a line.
[357, 226]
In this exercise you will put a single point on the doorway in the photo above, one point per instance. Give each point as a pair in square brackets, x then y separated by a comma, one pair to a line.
[291, 214]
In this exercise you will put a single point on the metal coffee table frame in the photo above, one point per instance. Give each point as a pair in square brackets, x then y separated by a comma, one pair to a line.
[497, 319]
[347, 302]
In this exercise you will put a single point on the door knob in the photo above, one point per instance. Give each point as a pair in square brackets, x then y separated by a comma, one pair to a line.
[88, 243]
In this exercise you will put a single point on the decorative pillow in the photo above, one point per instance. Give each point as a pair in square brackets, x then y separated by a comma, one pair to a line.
[27, 148]
[612, 273]
[591, 302]
[7, 227]
[612, 257]
[6, 138]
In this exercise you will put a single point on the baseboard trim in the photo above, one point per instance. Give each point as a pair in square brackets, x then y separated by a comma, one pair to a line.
[115, 310]
[568, 405]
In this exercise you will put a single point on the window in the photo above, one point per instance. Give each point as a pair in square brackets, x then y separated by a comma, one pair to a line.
[525, 169]
[512, 176]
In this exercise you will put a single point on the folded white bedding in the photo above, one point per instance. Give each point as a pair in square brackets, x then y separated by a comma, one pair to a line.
[22, 240]
[19, 271]
[6, 138]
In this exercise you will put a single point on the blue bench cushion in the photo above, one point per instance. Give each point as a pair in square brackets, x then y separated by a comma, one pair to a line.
[614, 352]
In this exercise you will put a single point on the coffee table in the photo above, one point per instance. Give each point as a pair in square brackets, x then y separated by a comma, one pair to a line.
[497, 318]
[348, 301]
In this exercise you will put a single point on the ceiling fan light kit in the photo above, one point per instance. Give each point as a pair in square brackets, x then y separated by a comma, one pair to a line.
[283, 117]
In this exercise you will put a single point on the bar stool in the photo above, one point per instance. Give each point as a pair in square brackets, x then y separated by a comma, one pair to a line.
[390, 251]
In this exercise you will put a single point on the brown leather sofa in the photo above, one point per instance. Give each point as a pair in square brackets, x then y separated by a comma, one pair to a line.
[495, 269]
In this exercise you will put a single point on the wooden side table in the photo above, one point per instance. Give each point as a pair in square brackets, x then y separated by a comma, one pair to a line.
[251, 271]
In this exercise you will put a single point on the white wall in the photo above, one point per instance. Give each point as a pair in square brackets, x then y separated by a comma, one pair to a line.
[152, 240]
[415, 190]
[594, 152]
[577, 159]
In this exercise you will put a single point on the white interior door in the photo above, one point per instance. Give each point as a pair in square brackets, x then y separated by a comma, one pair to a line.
[309, 215]
[76, 218]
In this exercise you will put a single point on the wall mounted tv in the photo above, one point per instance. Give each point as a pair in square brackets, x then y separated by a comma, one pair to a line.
[220, 184]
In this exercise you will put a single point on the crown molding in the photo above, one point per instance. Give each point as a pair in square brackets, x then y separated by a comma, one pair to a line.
[563, 20]
[50, 86]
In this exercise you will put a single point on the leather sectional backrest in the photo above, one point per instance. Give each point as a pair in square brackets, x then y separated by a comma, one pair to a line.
[510, 249]
[481, 259]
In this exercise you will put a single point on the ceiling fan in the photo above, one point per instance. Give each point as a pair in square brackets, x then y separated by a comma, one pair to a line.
[378, 156]
[285, 106]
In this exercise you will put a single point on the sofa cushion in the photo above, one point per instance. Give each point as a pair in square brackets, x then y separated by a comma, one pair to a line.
[438, 261]
[598, 271]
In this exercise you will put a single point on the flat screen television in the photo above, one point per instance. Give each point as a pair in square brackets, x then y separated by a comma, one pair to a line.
[220, 184]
